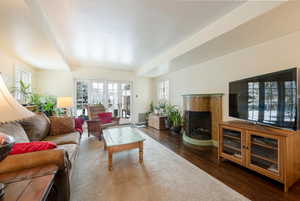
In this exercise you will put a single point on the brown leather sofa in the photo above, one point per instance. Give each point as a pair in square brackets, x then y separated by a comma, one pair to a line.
[39, 128]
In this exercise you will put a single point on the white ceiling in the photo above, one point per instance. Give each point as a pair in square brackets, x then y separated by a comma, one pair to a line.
[23, 36]
[101, 33]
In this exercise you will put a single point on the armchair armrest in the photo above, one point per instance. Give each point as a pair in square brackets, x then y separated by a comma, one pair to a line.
[93, 121]
[34, 159]
[117, 119]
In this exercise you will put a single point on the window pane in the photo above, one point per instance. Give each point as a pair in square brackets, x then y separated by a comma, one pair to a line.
[271, 102]
[253, 104]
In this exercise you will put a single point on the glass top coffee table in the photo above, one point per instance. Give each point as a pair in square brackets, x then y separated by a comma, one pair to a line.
[121, 139]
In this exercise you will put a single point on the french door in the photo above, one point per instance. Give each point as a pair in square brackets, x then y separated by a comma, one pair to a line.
[114, 95]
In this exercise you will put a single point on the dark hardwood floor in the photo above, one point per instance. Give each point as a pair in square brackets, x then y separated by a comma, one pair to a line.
[252, 185]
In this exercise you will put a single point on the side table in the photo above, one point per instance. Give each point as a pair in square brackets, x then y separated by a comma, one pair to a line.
[28, 185]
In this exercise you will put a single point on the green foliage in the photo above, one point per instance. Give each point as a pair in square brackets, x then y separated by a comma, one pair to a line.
[151, 107]
[24, 90]
[48, 106]
[174, 115]
[45, 104]
[35, 99]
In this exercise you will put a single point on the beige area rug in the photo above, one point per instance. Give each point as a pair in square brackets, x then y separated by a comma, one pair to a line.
[164, 176]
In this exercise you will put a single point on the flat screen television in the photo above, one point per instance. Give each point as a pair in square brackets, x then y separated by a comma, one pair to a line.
[270, 99]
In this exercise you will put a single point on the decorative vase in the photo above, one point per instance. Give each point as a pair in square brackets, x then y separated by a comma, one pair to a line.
[6, 144]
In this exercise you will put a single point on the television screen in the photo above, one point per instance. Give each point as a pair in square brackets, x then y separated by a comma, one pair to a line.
[268, 99]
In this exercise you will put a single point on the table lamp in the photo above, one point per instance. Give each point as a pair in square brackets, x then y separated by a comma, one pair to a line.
[65, 103]
[10, 110]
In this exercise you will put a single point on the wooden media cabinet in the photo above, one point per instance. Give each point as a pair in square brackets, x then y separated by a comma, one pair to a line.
[270, 151]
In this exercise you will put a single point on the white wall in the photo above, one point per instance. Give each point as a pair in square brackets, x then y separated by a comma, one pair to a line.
[7, 69]
[213, 76]
[61, 83]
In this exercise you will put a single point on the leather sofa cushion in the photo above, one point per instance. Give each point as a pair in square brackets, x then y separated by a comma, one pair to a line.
[70, 138]
[62, 125]
[36, 127]
[71, 149]
[15, 130]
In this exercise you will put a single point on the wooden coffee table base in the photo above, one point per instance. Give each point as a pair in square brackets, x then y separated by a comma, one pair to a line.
[119, 148]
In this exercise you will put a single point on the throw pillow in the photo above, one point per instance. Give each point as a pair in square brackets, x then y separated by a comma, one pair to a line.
[36, 127]
[21, 148]
[15, 130]
[61, 125]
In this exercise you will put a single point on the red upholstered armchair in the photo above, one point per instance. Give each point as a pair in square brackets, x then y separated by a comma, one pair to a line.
[99, 119]
[79, 125]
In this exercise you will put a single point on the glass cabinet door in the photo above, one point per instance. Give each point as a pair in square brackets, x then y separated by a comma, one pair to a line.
[264, 153]
[232, 145]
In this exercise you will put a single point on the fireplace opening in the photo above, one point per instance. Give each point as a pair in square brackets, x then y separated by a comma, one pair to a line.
[198, 125]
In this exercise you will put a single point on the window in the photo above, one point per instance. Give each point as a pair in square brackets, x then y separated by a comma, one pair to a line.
[97, 92]
[163, 90]
[25, 77]
[114, 95]
[81, 97]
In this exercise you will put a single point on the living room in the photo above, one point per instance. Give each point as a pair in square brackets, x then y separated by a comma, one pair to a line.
[144, 100]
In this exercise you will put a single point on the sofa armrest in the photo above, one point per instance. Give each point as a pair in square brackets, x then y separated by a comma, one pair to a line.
[34, 159]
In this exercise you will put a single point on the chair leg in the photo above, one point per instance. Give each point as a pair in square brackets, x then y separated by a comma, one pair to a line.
[100, 134]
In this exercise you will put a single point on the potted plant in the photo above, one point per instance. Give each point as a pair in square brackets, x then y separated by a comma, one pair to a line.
[174, 118]
[24, 91]
[169, 109]
[48, 106]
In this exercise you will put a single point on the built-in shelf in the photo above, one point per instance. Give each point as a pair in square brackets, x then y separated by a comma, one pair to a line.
[232, 137]
[264, 158]
[231, 147]
[264, 145]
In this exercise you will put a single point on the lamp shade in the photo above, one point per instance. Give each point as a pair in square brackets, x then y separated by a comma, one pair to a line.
[64, 102]
[10, 109]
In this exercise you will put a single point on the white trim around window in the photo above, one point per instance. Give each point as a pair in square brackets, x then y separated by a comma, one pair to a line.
[163, 90]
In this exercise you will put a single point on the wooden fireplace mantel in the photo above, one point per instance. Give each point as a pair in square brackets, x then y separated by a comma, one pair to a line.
[206, 103]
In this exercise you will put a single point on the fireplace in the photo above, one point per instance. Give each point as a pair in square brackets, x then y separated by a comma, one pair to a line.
[202, 115]
[198, 125]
